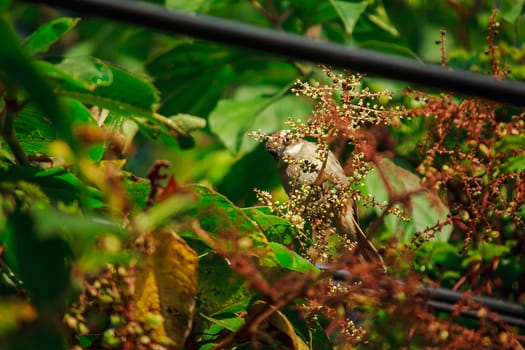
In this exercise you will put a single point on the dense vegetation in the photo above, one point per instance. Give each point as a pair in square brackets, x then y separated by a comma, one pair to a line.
[129, 160]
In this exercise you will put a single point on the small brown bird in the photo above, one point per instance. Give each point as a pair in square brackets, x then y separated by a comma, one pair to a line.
[301, 163]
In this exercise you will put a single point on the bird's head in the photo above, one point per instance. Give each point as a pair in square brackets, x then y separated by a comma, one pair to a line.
[277, 143]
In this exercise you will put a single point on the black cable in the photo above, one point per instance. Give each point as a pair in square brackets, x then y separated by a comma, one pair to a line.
[503, 307]
[298, 47]
[444, 299]
[447, 307]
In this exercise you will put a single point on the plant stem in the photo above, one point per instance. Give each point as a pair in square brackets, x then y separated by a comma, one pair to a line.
[8, 126]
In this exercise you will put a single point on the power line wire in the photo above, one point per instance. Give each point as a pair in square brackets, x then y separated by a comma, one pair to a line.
[442, 299]
[298, 47]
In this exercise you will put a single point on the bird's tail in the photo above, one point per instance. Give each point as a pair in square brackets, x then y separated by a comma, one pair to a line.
[366, 249]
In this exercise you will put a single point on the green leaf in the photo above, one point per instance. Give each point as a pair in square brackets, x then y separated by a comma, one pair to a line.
[231, 324]
[80, 72]
[17, 71]
[510, 143]
[275, 228]
[138, 189]
[391, 48]
[273, 117]
[35, 131]
[279, 320]
[52, 222]
[231, 119]
[290, 260]
[238, 183]
[349, 12]
[445, 255]
[42, 264]
[4, 4]
[218, 286]
[262, 108]
[159, 214]
[217, 215]
[325, 12]
[197, 65]
[449, 278]
[426, 209]
[236, 308]
[47, 34]
[127, 93]
[514, 164]
[189, 122]
[512, 14]
[89, 70]
[57, 183]
[491, 250]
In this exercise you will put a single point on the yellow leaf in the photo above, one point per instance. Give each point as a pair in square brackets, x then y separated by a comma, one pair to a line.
[13, 313]
[166, 287]
[281, 322]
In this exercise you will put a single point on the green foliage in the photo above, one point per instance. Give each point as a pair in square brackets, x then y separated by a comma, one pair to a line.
[88, 105]
[47, 35]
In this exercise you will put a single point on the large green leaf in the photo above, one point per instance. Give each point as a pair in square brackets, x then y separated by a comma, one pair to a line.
[263, 108]
[219, 286]
[52, 222]
[42, 264]
[17, 71]
[219, 216]
[124, 94]
[274, 227]
[273, 117]
[127, 93]
[181, 71]
[138, 189]
[231, 324]
[94, 240]
[57, 183]
[231, 119]
[514, 164]
[238, 183]
[35, 132]
[513, 12]
[280, 321]
[349, 12]
[290, 260]
[84, 72]
[426, 209]
[47, 34]
[510, 143]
